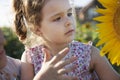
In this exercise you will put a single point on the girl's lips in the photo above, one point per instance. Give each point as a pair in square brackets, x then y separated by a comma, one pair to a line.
[70, 31]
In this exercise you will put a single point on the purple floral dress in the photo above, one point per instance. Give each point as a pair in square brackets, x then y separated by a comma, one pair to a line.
[80, 50]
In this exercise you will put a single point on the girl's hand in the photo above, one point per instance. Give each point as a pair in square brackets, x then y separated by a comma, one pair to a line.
[53, 69]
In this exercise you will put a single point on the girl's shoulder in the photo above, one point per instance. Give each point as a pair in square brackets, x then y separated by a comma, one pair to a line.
[34, 50]
[81, 43]
[86, 48]
[83, 50]
[32, 53]
[81, 46]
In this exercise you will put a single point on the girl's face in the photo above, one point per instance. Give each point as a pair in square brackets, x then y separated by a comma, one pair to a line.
[58, 24]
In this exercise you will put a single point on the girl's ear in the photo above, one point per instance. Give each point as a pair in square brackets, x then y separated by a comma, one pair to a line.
[37, 30]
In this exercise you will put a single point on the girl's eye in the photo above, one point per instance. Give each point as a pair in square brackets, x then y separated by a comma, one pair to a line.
[57, 19]
[69, 14]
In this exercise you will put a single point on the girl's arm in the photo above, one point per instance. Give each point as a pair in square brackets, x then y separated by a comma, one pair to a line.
[102, 66]
[27, 72]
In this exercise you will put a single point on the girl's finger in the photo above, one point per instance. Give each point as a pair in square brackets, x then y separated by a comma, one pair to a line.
[63, 63]
[66, 70]
[59, 56]
[47, 55]
[68, 78]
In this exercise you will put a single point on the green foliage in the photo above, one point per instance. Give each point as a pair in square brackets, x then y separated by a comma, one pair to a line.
[85, 32]
[13, 46]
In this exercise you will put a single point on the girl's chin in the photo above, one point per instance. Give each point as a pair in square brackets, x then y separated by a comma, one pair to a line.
[69, 41]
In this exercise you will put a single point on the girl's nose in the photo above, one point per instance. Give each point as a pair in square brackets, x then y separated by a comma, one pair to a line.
[68, 22]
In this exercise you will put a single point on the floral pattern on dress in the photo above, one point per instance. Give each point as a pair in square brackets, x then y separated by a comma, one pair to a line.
[80, 50]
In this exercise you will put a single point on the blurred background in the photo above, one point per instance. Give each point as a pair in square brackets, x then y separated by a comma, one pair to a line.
[86, 26]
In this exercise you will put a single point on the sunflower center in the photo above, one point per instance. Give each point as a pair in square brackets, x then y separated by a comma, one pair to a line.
[117, 22]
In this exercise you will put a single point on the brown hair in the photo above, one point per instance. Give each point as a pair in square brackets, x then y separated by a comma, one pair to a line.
[27, 11]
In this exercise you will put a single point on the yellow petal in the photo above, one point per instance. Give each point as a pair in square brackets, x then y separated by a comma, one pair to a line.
[108, 34]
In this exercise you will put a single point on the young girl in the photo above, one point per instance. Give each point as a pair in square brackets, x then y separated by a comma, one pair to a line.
[54, 23]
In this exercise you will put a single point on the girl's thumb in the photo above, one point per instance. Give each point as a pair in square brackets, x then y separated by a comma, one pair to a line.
[47, 56]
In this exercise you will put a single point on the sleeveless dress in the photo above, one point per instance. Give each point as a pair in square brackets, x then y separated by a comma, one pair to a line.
[12, 70]
[80, 50]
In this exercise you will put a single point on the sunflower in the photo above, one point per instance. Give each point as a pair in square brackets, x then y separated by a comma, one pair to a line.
[109, 29]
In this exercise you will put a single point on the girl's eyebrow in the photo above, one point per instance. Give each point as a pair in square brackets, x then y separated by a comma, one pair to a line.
[69, 10]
